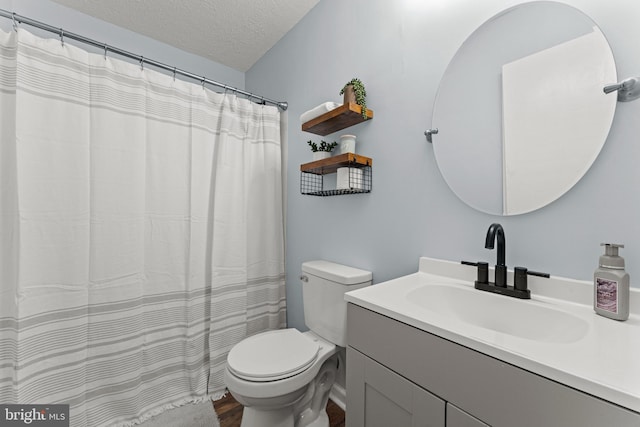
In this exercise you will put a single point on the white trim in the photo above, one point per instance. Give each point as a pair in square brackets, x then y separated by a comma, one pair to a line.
[339, 396]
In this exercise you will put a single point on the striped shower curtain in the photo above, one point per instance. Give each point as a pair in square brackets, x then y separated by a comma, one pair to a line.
[141, 232]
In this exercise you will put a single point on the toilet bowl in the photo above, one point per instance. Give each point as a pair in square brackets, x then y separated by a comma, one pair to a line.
[269, 389]
[283, 377]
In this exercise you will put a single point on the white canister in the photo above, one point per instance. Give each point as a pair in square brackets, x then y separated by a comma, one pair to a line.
[347, 144]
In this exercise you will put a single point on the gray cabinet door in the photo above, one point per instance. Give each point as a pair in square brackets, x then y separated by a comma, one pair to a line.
[456, 417]
[378, 397]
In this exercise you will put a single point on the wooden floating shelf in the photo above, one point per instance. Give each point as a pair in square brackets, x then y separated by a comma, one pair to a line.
[331, 164]
[337, 119]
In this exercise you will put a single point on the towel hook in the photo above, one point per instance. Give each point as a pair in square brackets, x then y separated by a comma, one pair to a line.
[429, 132]
[628, 90]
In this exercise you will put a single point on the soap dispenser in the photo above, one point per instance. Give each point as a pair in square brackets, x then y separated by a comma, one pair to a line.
[611, 285]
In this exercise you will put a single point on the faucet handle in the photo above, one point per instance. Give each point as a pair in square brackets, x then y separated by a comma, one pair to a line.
[483, 270]
[539, 274]
[520, 278]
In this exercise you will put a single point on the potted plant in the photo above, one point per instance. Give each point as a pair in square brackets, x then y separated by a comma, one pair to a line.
[355, 92]
[322, 150]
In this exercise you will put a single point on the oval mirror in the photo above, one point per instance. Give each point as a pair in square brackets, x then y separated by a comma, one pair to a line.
[520, 109]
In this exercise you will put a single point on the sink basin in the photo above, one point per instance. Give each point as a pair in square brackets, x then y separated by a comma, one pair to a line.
[526, 319]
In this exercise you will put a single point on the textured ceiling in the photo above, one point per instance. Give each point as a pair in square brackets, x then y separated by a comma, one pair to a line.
[235, 33]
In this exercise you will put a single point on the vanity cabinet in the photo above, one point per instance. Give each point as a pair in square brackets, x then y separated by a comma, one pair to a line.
[413, 377]
[381, 398]
[456, 417]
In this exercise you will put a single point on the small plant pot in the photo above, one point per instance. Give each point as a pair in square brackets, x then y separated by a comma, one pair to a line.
[347, 144]
[319, 155]
[349, 95]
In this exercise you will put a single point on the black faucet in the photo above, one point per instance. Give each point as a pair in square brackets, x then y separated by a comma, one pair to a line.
[496, 232]
[499, 286]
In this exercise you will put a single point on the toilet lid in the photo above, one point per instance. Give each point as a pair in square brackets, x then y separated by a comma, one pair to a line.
[272, 355]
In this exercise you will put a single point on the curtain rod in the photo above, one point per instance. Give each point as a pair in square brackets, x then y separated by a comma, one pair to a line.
[62, 33]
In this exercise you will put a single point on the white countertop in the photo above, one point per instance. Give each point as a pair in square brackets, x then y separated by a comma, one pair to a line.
[604, 361]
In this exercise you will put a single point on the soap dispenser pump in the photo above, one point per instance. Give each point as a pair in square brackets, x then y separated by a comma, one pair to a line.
[611, 285]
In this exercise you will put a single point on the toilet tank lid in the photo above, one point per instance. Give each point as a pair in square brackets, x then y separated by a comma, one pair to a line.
[336, 272]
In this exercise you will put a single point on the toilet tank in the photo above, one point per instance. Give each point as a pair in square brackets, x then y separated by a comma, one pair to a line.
[324, 284]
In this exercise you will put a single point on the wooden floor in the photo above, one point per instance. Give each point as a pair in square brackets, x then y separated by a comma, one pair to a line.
[230, 412]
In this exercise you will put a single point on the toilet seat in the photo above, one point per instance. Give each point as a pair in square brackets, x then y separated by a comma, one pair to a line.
[281, 354]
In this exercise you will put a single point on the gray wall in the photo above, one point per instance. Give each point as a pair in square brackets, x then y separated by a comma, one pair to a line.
[72, 21]
[400, 49]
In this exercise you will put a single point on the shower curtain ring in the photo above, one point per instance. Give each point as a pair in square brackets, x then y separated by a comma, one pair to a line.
[174, 74]
[203, 81]
[141, 62]
[62, 37]
[105, 51]
[15, 24]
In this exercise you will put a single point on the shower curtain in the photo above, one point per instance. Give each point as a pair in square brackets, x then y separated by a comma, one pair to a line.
[141, 232]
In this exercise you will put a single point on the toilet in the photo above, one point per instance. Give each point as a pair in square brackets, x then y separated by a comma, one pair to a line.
[283, 377]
